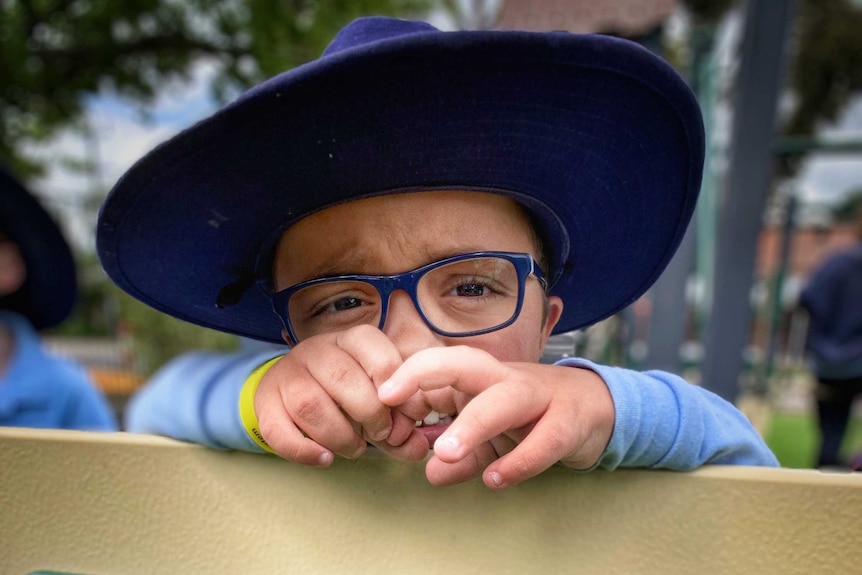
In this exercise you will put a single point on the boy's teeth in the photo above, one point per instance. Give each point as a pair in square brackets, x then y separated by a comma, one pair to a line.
[432, 418]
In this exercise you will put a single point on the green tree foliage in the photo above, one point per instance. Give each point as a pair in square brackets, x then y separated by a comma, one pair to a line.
[827, 67]
[55, 53]
[850, 208]
[277, 44]
[708, 12]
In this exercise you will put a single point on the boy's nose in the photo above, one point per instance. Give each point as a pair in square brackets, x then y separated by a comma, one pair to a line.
[406, 328]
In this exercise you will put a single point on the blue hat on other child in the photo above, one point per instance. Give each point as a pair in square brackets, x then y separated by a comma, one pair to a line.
[50, 288]
[600, 139]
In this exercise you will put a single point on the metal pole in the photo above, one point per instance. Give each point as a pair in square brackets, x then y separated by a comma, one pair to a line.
[669, 310]
[778, 290]
[758, 84]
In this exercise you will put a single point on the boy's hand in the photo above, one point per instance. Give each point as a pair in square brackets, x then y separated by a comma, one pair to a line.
[517, 419]
[321, 397]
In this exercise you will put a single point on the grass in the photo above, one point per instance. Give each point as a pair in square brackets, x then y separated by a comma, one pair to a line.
[794, 438]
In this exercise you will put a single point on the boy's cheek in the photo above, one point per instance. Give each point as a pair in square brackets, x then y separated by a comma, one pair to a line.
[522, 341]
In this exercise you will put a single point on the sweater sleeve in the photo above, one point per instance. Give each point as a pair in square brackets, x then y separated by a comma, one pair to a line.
[662, 421]
[195, 398]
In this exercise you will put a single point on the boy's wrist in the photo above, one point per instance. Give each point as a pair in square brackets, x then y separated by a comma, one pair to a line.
[247, 413]
[602, 412]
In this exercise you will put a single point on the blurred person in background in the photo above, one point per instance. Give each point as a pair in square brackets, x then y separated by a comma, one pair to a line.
[37, 290]
[833, 299]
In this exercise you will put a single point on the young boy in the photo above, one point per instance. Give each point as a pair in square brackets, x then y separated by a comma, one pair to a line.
[37, 290]
[422, 210]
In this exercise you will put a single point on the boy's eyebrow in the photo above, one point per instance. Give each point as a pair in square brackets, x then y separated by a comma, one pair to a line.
[346, 264]
[362, 263]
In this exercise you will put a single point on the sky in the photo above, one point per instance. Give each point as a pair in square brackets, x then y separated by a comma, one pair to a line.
[121, 135]
[829, 177]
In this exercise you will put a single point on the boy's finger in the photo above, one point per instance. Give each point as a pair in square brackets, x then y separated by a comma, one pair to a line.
[345, 384]
[442, 473]
[375, 352]
[498, 409]
[402, 428]
[545, 445]
[361, 358]
[283, 437]
[468, 369]
[306, 406]
[414, 448]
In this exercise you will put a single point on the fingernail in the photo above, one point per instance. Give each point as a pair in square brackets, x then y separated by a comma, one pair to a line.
[450, 444]
[325, 458]
[495, 479]
[382, 435]
[386, 388]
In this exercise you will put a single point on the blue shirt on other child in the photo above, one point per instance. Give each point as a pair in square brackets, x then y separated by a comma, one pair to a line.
[41, 390]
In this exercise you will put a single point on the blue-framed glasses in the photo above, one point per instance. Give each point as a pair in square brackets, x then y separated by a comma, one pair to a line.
[460, 296]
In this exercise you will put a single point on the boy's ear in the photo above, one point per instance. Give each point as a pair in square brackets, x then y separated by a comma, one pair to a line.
[555, 312]
[286, 337]
[13, 272]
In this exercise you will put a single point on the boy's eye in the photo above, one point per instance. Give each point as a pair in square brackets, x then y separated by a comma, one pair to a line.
[336, 305]
[470, 290]
[332, 299]
[345, 303]
[472, 287]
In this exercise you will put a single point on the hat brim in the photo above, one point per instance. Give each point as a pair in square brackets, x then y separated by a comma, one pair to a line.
[598, 137]
[49, 291]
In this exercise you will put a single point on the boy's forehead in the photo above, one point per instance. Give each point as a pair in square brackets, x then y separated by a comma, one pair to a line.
[402, 230]
[485, 200]
[391, 213]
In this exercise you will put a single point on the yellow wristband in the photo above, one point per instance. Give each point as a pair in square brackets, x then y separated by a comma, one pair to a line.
[246, 404]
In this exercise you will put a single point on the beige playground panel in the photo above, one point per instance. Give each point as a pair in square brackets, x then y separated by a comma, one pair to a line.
[115, 504]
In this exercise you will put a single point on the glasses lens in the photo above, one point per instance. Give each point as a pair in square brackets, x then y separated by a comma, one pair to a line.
[469, 295]
[333, 306]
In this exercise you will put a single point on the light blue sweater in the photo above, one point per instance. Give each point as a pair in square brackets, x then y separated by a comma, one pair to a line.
[40, 390]
[661, 420]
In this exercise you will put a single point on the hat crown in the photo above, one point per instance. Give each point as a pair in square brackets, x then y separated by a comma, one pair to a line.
[364, 31]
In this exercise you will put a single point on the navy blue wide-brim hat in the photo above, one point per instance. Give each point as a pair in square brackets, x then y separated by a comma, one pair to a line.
[48, 294]
[598, 137]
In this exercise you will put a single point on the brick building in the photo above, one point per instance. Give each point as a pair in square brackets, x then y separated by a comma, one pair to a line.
[629, 18]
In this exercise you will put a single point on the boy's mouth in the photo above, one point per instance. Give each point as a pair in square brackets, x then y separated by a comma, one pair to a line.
[434, 425]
